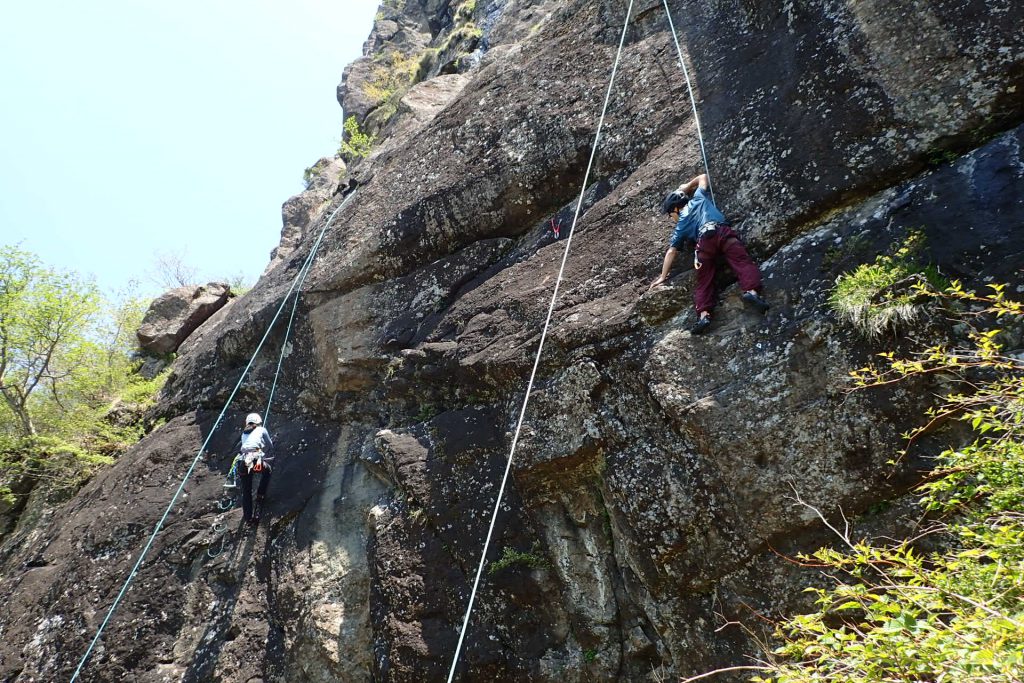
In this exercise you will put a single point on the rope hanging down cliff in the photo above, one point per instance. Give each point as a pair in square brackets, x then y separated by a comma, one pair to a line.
[554, 298]
[693, 100]
[296, 283]
[303, 272]
[540, 349]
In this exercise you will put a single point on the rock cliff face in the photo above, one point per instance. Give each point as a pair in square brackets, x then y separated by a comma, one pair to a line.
[653, 488]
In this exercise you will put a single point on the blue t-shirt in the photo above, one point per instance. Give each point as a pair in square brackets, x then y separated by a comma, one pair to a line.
[698, 211]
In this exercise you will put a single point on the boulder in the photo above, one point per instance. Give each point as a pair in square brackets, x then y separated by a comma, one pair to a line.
[176, 314]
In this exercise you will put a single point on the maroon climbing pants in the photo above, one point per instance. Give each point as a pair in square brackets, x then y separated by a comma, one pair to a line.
[725, 243]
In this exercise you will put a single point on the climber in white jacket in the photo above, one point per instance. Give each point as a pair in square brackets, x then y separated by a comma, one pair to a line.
[253, 459]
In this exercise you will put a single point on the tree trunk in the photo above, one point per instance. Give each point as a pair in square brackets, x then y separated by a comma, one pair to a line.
[27, 427]
[20, 410]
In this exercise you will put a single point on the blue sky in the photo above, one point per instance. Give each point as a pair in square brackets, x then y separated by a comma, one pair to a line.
[131, 127]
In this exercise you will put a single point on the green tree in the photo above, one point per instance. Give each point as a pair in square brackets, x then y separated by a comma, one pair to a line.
[355, 144]
[953, 612]
[44, 319]
[122, 317]
[72, 397]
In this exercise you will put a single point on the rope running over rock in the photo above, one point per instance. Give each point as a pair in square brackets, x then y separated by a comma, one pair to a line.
[554, 297]
[693, 100]
[540, 349]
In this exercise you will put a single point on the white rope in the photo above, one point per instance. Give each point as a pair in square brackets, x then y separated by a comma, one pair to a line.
[540, 349]
[195, 461]
[693, 100]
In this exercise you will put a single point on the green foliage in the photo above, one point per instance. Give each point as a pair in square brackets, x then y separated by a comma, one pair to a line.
[393, 74]
[851, 247]
[510, 557]
[428, 60]
[58, 462]
[355, 144]
[955, 614]
[142, 392]
[467, 32]
[308, 175]
[937, 156]
[43, 317]
[239, 283]
[881, 296]
[67, 365]
[427, 411]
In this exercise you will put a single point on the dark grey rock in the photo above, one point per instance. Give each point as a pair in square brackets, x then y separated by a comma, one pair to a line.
[654, 475]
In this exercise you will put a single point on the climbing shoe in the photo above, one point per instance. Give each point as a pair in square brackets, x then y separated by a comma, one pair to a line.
[755, 301]
[701, 326]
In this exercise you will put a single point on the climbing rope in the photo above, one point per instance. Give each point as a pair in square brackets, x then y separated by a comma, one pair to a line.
[693, 100]
[288, 332]
[540, 349]
[303, 272]
[219, 530]
[195, 461]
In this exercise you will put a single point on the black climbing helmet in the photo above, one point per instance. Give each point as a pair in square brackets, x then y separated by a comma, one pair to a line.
[674, 200]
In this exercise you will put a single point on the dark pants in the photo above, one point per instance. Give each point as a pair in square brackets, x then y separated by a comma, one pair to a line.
[725, 243]
[261, 491]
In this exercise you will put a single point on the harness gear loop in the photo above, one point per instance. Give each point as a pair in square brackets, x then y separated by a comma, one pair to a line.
[231, 481]
[253, 460]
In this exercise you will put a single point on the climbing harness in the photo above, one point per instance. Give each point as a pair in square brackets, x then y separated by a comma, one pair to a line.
[709, 229]
[554, 298]
[540, 349]
[253, 460]
[556, 227]
[297, 282]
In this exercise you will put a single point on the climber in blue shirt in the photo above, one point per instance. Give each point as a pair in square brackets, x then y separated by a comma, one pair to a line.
[698, 221]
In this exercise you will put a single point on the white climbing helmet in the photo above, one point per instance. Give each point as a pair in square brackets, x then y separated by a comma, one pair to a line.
[253, 419]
